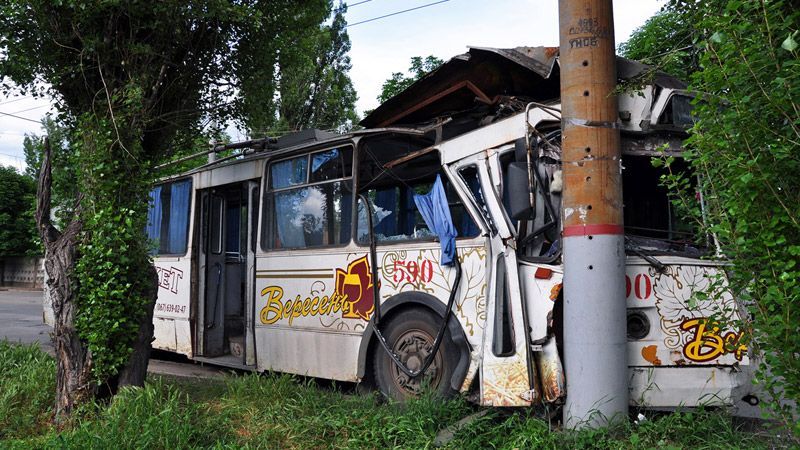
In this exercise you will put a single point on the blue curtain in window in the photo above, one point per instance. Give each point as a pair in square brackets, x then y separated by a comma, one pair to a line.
[285, 174]
[290, 224]
[153, 228]
[436, 212]
[287, 203]
[289, 173]
[386, 199]
[180, 193]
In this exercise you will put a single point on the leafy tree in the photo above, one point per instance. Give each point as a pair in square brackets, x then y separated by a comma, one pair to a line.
[298, 79]
[667, 41]
[17, 227]
[746, 140]
[315, 90]
[745, 70]
[399, 81]
[130, 79]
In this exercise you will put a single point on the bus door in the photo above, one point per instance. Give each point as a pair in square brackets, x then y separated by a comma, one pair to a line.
[213, 310]
[227, 266]
[507, 376]
[253, 190]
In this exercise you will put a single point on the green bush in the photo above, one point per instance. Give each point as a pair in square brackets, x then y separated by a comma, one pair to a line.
[744, 146]
[743, 58]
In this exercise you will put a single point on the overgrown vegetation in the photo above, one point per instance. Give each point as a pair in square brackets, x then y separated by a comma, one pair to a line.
[280, 411]
[744, 147]
[26, 391]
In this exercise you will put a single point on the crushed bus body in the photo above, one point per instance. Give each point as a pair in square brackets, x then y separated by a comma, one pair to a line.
[329, 255]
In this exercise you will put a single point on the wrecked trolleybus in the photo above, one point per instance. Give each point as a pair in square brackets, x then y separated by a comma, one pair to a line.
[426, 249]
[400, 258]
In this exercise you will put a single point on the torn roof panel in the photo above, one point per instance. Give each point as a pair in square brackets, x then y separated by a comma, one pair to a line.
[482, 76]
[540, 60]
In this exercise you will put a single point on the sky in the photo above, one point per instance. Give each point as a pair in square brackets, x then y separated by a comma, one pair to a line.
[386, 45]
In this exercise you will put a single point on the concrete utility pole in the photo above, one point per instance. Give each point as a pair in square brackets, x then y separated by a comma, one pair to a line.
[594, 253]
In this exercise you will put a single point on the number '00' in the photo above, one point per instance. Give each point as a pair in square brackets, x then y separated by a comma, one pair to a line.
[642, 286]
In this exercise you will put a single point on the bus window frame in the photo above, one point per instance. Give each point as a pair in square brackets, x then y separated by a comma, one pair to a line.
[189, 222]
[457, 188]
[267, 191]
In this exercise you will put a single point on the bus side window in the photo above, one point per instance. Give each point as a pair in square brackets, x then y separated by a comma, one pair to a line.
[391, 194]
[309, 208]
[254, 217]
[168, 218]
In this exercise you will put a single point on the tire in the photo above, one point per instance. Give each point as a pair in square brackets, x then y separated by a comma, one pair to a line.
[411, 334]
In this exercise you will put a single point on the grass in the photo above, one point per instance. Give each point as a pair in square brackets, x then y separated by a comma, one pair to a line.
[280, 411]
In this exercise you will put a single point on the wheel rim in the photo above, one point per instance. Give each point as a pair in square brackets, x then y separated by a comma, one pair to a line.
[412, 348]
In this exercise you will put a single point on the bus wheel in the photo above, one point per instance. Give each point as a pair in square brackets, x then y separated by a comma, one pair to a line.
[410, 334]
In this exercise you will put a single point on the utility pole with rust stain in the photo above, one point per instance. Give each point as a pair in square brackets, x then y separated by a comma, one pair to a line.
[594, 253]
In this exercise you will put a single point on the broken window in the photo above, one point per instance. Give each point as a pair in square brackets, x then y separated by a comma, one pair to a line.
[538, 225]
[651, 220]
[678, 112]
[391, 192]
[309, 201]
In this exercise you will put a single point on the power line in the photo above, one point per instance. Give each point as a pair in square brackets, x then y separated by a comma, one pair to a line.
[395, 13]
[20, 118]
[359, 3]
[30, 109]
[13, 156]
[16, 100]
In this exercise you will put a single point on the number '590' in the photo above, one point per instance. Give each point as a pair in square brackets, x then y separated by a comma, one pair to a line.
[410, 271]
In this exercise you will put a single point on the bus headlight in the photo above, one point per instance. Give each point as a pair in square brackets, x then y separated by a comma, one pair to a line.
[638, 325]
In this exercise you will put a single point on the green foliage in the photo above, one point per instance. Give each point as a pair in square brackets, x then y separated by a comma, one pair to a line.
[136, 82]
[667, 42]
[315, 89]
[26, 386]
[17, 225]
[157, 416]
[128, 78]
[280, 411]
[111, 273]
[399, 81]
[744, 68]
[745, 145]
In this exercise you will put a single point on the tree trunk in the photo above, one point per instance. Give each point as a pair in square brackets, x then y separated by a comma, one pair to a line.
[74, 382]
[135, 371]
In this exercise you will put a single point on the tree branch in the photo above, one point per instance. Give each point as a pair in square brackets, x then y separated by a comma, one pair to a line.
[47, 231]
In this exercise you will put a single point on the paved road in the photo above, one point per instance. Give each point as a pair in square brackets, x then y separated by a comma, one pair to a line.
[21, 321]
[21, 318]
